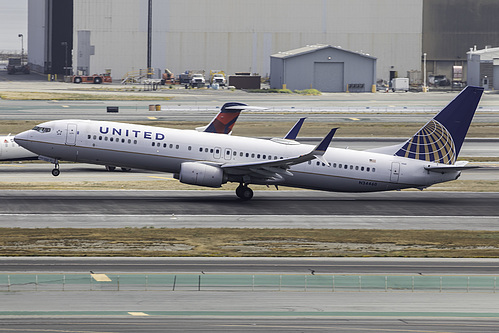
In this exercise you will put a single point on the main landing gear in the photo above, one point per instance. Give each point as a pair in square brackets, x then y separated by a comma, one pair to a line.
[56, 171]
[244, 192]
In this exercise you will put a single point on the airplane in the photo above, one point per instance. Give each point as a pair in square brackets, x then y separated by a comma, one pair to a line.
[211, 160]
[11, 151]
[222, 123]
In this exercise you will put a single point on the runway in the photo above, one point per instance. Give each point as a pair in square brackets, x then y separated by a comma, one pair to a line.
[268, 209]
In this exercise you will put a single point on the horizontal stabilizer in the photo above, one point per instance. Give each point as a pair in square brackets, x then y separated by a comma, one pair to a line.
[450, 168]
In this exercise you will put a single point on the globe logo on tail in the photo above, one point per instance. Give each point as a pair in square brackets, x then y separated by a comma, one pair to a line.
[433, 143]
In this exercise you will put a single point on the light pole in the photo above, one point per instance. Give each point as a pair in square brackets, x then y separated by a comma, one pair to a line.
[65, 44]
[22, 47]
[424, 73]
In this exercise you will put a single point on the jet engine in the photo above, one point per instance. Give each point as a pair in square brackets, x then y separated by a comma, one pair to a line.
[201, 174]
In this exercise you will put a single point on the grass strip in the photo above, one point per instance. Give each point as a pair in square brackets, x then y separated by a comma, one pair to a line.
[279, 129]
[83, 96]
[233, 242]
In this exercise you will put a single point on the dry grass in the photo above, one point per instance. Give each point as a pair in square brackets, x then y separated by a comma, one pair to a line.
[278, 129]
[79, 96]
[224, 242]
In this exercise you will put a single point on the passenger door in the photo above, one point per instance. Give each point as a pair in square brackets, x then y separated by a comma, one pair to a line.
[71, 135]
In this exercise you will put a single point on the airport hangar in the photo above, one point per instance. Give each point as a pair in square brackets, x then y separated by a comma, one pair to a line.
[323, 67]
[92, 36]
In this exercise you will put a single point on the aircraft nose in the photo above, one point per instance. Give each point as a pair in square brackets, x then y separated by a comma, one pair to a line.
[22, 138]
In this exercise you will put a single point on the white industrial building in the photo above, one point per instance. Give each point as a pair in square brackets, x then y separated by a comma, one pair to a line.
[241, 35]
[235, 35]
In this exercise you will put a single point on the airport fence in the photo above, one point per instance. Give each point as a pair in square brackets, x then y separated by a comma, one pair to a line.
[236, 282]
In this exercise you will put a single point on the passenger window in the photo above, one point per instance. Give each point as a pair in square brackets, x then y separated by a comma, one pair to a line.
[177, 146]
[189, 148]
[368, 169]
[171, 145]
[361, 168]
[374, 170]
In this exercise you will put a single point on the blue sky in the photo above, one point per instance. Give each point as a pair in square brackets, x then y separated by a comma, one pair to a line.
[13, 21]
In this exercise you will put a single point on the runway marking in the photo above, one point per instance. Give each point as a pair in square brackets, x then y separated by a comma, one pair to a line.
[158, 177]
[354, 118]
[101, 277]
[65, 106]
[138, 314]
[152, 118]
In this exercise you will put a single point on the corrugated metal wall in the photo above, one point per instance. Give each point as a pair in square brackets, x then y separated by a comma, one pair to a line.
[240, 35]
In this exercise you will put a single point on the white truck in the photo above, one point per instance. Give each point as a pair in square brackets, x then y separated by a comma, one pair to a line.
[197, 80]
[400, 83]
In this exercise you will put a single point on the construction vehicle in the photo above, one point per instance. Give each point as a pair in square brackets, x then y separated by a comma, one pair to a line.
[167, 77]
[96, 78]
[218, 77]
[17, 65]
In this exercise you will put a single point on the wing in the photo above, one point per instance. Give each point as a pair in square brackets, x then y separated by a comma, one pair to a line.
[274, 170]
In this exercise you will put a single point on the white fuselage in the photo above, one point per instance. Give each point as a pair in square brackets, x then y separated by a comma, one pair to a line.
[164, 149]
[11, 151]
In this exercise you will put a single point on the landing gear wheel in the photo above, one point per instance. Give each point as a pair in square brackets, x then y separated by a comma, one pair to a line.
[244, 192]
[56, 171]
[110, 168]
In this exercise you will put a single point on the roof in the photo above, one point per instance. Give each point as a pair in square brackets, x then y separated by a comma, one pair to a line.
[314, 48]
[488, 53]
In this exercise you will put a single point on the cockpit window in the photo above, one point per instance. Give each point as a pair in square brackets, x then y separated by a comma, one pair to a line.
[42, 129]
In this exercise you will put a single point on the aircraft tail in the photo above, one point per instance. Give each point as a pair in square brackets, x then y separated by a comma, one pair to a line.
[225, 119]
[441, 139]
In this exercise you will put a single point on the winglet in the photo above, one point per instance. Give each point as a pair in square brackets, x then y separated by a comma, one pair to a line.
[293, 132]
[321, 148]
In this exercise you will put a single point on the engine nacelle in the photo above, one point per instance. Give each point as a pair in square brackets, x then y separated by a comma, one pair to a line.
[201, 174]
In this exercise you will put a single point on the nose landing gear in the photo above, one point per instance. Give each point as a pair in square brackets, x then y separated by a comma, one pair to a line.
[244, 192]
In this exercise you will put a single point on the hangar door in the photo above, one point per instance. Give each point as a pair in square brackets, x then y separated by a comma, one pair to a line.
[328, 76]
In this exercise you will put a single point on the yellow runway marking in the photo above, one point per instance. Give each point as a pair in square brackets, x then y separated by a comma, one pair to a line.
[101, 277]
[166, 178]
[65, 106]
[354, 118]
[152, 118]
[138, 314]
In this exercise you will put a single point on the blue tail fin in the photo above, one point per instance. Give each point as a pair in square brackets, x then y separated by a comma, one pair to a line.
[441, 139]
